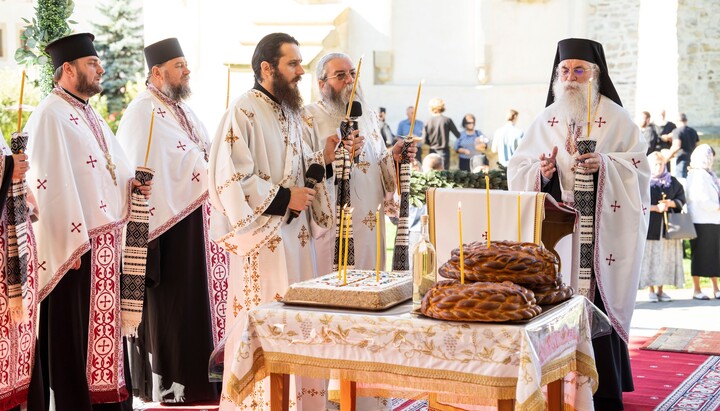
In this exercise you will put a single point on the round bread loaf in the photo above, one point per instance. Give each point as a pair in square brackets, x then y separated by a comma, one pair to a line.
[482, 302]
[527, 264]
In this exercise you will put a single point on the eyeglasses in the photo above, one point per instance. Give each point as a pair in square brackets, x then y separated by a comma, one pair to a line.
[578, 71]
[343, 75]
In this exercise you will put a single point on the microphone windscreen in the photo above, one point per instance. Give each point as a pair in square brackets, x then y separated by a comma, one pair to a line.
[356, 110]
[315, 172]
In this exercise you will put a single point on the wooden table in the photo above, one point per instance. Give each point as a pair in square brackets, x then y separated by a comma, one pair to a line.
[444, 362]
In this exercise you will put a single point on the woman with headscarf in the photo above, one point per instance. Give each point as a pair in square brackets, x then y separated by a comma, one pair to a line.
[703, 195]
[662, 260]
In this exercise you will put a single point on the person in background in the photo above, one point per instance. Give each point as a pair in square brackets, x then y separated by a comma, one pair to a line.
[662, 260]
[703, 195]
[649, 133]
[465, 145]
[684, 140]
[387, 134]
[507, 138]
[403, 130]
[438, 129]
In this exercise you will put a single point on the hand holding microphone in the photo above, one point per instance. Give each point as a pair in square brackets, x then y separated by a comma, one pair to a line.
[301, 197]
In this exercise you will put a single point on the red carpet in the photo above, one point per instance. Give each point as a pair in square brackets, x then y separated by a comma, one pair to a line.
[656, 374]
[685, 340]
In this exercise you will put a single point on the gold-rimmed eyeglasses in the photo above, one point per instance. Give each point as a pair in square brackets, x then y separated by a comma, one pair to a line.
[578, 71]
[342, 75]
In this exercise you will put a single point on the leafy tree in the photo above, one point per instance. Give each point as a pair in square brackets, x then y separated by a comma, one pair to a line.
[50, 23]
[119, 44]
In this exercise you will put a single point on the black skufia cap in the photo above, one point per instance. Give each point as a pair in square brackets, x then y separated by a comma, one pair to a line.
[590, 51]
[162, 51]
[71, 48]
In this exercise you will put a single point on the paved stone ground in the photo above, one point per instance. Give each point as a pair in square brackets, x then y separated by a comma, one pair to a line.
[682, 312]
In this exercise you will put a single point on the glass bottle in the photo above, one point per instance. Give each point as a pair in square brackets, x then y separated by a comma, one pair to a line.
[424, 265]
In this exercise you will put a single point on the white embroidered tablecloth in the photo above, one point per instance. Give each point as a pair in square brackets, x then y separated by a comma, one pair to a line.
[406, 356]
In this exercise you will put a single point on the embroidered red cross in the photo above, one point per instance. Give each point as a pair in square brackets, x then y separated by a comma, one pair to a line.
[644, 210]
[42, 266]
[553, 122]
[3, 350]
[25, 342]
[75, 227]
[600, 122]
[75, 119]
[104, 345]
[151, 211]
[91, 162]
[221, 310]
[105, 256]
[105, 300]
[635, 162]
[196, 177]
[615, 206]
[610, 259]
[103, 205]
[41, 184]
[161, 112]
[181, 145]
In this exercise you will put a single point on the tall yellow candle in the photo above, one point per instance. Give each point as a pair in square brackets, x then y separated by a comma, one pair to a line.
[340, 244]
[589, 105]
[377, 247]
[518, 221]
[487, 201]
[147, 151]
[22, 91]
[417, 101]
[462, 254]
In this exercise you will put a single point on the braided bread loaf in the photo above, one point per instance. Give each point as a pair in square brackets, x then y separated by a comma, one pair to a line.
[552, 295]
[487, 302]
[527, 264]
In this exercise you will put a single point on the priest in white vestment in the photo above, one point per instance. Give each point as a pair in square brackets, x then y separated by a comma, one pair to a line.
[186, 272]
[602, 172]
[257, 164]
[372, 178]
[81, 179]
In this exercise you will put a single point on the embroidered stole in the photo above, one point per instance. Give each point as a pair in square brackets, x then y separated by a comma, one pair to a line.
[218, 269]
[343, 167]
[584, 202]
[17, 338]
[132, 278]
[17, 249]
[401, 254]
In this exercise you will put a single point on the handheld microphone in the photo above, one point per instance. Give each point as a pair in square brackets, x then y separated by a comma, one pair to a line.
[349, 125]
[314, 174]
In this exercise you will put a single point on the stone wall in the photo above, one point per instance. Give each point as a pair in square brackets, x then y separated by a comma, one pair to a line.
[698, 27]
[615, 25]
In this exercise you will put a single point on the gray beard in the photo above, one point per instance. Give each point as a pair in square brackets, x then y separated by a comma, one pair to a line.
[176, 93]
[571, 99]
[336, 102]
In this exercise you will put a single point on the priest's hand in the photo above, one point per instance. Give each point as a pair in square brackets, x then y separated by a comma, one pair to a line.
[145, 189]
[548, 164]
[76, 265]
[300, 198]
[20, 167]
[397, 149]
[589, 163]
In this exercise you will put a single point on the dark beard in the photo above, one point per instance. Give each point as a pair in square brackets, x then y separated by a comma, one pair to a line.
[86, 87]
[286, 94]
[176, 93]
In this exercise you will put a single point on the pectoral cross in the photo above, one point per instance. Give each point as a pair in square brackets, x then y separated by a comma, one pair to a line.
[110, 167]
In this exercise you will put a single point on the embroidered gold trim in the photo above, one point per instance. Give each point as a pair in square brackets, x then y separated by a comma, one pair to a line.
[234, 179]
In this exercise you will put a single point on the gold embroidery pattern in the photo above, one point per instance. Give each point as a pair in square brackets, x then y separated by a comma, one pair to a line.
[278, 297]
[263, 175]
[304, 236]
[369, 220]
[234, 179]
[230, 137]
[232, 248]
[308, 120]
[364, 166]
[273, 243]
[256, 212]
[247, 198]
[236, 307]
[322, 219]
[249, 114]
